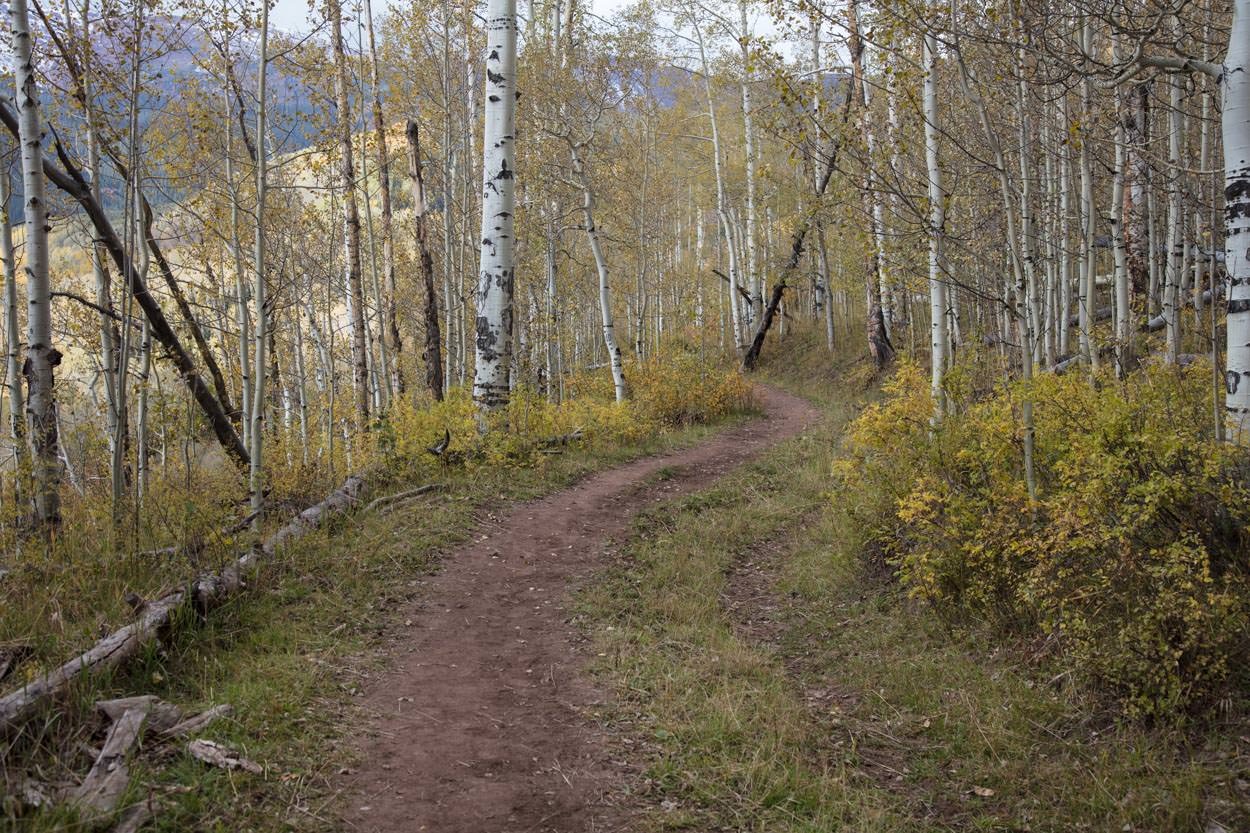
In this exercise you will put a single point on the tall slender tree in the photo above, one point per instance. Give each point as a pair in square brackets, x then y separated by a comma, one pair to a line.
[496, 271]
[42, 357]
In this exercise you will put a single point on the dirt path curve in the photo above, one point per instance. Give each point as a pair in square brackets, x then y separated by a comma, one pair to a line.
[481, 724]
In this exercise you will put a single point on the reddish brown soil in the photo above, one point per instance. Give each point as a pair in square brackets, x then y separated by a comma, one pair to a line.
[484, 721]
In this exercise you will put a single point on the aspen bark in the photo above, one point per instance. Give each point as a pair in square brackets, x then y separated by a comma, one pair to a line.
[390, 312]
[493, 354]
[1235, 127]
[1174, 274]
[939, 338]
[605, 291]
[13, 342]
[41, 357]
[351, 218]
[750, 261]
[433, 339]
[256, 478]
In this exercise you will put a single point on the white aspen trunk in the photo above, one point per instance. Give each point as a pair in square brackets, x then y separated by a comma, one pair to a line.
[141, 428]
[875, 330]
[301, 380]
[449, 180]
[895, 294]
[939, 338]
[873, 195]
[1065, 238]
[1204, 158]
[41, 357]
[823, 256]
[1137, 226]
[1119, 255]
[13, 343]
[256, 479]
[1050, 234]
[380, 366]
[99, 271]
[1088, 293]
[1028, 219]
[699, 319]
[722, 212]
[605, 290]
[240, 285]
[553, 394]
[1175, 272]
[392, 339]
[496, 276]
[1235, 127]
[472, 182]
[351, 221]
[751, 262]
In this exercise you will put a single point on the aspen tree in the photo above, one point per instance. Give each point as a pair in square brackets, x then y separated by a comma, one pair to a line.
[1235, 128]
[433, 339]
[939, 338]
[13, 341]
[351, 218]
[42, 357]
[496, 276]
[256, 475]
[390, 314]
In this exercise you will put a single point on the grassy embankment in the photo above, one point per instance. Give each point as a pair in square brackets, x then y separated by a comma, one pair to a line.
[767, 681]
[291, 653]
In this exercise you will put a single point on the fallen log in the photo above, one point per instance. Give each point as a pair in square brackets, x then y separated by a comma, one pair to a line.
[1100, 314]
[573, 436]
[155, 617]
[161, 715]
[210, 591]
[133, 819]
[120, 645]
[387, 500]
[196, 723]
[109, 777]
[12, 656]
[1064, 365]
[1158, 322]
[214, 754]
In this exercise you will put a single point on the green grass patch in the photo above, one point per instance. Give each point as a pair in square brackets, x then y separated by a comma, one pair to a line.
[870, 714]
[291, 655]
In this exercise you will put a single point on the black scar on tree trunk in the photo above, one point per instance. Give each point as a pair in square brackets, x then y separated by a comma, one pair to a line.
[752, 356]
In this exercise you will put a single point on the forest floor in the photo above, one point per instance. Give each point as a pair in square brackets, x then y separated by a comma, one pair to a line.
[485, 719]
[677, 635]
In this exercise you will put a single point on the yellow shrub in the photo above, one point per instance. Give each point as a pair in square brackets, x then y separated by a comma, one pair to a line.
[701, 392]
[1133, 555]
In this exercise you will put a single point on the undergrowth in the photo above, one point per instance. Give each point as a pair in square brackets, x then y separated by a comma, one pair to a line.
[867, 711]
[1131, 563]
[288, 654]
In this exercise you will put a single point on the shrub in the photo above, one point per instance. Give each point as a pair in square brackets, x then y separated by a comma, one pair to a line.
[673, 389]
[1132, 557]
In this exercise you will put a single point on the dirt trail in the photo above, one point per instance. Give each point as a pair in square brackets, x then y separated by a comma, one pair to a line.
[482, 722]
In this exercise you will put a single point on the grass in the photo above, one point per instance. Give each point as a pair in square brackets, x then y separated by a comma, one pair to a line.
[290, 655]
[866, 712]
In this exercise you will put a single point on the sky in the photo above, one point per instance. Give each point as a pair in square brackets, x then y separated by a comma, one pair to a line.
[292, 15]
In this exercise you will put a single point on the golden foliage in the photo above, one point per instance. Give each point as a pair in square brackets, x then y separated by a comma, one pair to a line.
[1133, 557]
